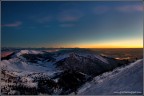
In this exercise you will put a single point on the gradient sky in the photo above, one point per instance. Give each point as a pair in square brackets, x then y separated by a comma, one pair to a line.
[72, 24]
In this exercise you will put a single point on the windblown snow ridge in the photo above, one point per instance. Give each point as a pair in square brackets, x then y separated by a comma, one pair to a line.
[124, 80]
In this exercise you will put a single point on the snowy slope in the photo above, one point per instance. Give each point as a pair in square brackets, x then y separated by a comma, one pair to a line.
[77, 55]
[15, 64]
[28, 52]
[19, 63]
[57, 71]
[126, 80]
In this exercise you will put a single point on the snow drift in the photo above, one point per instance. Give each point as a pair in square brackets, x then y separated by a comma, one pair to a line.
[122, 81]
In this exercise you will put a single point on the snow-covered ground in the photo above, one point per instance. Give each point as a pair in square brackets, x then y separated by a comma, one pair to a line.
[28, 52]
[49, 68]
[124, 80]
[16, 64]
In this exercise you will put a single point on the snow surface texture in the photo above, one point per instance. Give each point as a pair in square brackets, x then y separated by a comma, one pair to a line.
[16, 64]
[28, 52]
[121, 81]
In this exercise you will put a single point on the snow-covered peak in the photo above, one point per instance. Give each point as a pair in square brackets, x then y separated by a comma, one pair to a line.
[92, 56]
[58, 58]
[28, 52]
[102, 59]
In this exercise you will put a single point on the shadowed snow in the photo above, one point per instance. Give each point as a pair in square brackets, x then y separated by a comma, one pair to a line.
[126, 80]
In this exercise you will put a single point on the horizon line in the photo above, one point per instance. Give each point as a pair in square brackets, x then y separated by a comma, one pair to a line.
[78, 47]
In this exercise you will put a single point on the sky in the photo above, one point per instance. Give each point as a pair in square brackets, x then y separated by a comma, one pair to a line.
[83, 24]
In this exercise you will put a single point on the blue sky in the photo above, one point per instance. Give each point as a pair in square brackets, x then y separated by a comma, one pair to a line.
[72, 24]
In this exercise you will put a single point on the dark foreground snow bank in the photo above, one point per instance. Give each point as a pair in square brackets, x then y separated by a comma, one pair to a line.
[126, 80]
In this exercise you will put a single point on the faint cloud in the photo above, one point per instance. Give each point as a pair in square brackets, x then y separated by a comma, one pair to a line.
[69, 15]
[67, 25]
[101, 9]
[15, 24]
[44, 19]
[122, 8]
[130, 8]
[39, 18]
[68, 18]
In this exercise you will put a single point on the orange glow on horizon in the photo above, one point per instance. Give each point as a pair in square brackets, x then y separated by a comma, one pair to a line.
[98, 46]
[110, 44]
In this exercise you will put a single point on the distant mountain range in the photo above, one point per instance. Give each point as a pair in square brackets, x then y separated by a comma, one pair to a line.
[36, 72]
